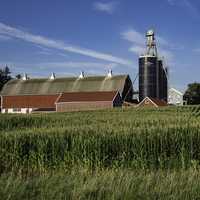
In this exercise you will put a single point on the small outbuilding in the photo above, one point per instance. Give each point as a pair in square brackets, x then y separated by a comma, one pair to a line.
[175, 97]
[79, 101]
[151, 102]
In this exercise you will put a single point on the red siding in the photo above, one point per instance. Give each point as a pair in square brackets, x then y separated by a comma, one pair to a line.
[88, 101]
[30, 101]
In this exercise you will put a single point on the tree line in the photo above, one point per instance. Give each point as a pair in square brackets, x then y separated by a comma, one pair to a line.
[5, 76]
[192, 94]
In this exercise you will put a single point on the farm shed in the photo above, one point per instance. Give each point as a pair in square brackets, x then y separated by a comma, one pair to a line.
[151, 102]
[21, 96]
[175, 97]
[78, 101]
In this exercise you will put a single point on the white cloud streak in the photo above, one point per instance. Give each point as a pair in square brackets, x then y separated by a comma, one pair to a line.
[61, 65]
[46, 42]
[138, 38]
[108, 7]
[133, 36]
[78, 65]
[138, 50]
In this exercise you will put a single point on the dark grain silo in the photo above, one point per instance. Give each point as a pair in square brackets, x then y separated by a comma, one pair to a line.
[153, 79]
[163, 81]
[148, 76]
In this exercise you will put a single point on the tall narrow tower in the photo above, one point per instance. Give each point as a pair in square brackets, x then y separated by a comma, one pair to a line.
[151, 43]
[152, 75]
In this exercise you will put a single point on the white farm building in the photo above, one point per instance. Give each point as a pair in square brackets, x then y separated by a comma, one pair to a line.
[175, 97]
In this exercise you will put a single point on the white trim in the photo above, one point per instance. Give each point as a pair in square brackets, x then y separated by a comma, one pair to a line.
[57, 100]
[82, 102]
[58, 97]
[144, 100]
[116, 93]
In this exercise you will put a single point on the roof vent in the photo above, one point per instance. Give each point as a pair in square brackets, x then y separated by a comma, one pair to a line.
[25, 77]
[110, 73]
[53, 76]
[82, 75]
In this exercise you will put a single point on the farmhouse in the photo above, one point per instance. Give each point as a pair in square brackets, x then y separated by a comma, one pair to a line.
[175, 97]
[65, 94]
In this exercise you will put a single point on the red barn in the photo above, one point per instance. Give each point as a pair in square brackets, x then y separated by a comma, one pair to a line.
[65, 94]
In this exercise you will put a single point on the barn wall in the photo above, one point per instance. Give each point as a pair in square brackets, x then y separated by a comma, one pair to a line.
[80, 106]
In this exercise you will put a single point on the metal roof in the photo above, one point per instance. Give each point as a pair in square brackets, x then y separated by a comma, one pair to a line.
[60, 85]
[156, 102]
[30, 101]
[175, 90]
[87, 96]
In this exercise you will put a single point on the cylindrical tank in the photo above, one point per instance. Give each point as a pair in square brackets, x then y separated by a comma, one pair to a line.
[153, 80]
[148, 77]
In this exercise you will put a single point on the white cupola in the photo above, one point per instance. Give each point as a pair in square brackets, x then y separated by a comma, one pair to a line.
[110, 73]
[25, 77]
[82, 75]
[52, 77]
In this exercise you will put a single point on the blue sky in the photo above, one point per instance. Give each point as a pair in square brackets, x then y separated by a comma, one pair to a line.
[69, 36]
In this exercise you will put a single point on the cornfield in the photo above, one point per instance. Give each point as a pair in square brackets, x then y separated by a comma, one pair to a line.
[144, 143]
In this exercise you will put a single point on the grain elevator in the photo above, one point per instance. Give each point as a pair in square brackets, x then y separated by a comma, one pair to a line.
[153, 75]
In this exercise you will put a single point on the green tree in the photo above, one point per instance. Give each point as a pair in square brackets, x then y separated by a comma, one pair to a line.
[18, 76]
[4, 76]
[192, 94]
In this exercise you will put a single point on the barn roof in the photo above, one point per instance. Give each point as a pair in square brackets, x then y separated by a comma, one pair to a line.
[60, 85]
[158, 102]
[153, 101]
[87, 96]
[30, 101]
